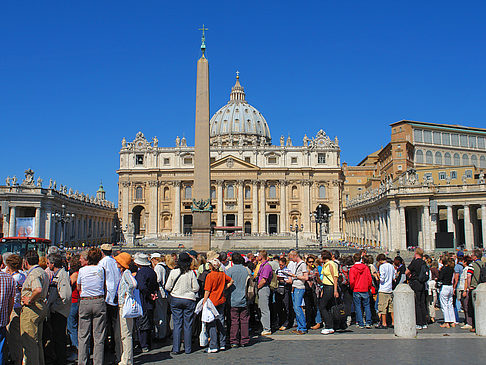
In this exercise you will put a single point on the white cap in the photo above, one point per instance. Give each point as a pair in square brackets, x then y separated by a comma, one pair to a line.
[155, 255]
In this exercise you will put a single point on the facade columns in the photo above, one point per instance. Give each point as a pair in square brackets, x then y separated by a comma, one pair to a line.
[219, 192]
[153, 215]
[125, 204]
[177, 208]
[468, 228]
[241, 188]
[450, 223]
[283, 206]
[403, 228]
[306, 206]
[254, 206]
[263, 220]
[37, 222]
[483, 223]
[11, 224]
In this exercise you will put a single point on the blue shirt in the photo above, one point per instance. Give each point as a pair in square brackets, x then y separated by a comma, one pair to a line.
[239, 274]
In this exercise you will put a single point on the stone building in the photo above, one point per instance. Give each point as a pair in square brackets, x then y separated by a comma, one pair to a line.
[30, 209]
[256, 186]
[424, 188]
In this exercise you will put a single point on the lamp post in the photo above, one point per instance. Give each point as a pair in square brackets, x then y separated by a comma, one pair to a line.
[321, 216]
[63, 218]
[295, 228]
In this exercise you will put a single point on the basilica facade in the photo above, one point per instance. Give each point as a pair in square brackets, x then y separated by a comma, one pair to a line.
[257, 188]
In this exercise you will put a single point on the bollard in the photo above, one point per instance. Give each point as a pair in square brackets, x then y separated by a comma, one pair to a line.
[479, 299]
[404, 311]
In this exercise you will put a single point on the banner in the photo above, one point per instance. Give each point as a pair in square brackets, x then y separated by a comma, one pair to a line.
[25, 226]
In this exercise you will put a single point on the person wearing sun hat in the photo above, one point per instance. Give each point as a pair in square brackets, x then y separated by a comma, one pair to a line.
[148, 287]
[124, 335]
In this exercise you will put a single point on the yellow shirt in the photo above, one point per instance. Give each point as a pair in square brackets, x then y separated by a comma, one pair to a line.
[326, 277]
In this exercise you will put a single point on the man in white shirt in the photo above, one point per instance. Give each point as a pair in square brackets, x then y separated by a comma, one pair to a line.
[112, 279]
[385, 292]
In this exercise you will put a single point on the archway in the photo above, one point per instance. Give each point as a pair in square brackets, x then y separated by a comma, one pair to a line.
[137, 219]
[247, 227]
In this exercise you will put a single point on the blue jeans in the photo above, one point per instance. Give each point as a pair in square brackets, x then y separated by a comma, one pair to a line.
[297, 296]
[72, 324]
[360, 299]
[3, 342]
[183, 318]
[217, 328]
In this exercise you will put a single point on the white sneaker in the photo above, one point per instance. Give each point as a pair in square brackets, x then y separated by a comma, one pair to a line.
[418, 327]
[466, 327]
[210, 351]
[266, 333]
[327, 331]
[424, 327]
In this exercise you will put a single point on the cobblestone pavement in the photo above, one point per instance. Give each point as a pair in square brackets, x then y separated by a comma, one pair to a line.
[356, 346]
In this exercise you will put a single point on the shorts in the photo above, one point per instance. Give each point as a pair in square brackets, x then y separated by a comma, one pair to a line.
[385, 303]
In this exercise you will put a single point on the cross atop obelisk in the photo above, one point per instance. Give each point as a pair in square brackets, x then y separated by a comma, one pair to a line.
[201, 202]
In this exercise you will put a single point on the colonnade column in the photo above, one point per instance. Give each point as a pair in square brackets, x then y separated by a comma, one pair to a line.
[177, 208]
[403, 228]
[219, 197]
[37, 222]
[483, 223]
[254, 206]
[306, 206]
[450, 223]
[426, 228]
[283, 206]
[11, 224]
[241, 187]
[263, 220]
[468, 228]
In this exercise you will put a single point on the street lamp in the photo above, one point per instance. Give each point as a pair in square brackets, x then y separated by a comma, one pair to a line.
[295, 228]
[63, 218]
[320, 216]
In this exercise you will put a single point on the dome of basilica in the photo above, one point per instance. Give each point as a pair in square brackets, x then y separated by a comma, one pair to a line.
[238, 122]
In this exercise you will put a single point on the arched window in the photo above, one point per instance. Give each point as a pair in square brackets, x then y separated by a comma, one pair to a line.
[247, 192]
[322, 192]
[429, 157]
[295, 192]
[230, 192]
[188, 192]
[272, 192]
[447, 159]
[438, 158]
[213, 192]
[139, 193]
[166, 193]
[474, 160]
[457, 159]
[419, 156]
[482, 162]
[465, 160]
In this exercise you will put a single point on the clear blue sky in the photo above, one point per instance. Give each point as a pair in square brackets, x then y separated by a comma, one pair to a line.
[76, 77]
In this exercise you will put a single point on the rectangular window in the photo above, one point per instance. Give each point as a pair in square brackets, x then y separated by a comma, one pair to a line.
[428, 176]
[166, 161]
[272, 160]
[139, 160]
[455, 140]
[187, 161]
[464, 140]
[472, 141]
[247, 159]
[442, 175]
[273, 206]
[321, 158]
[453, 174]
[481, 142]
[469, 174]
[293, 160]
[427, 136]
[247, 206]
[446, 139]
[437, 139]
[417, 135]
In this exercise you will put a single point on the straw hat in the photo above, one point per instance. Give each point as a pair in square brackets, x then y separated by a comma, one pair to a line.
[124, 259]
[142, 260]
[212, 255]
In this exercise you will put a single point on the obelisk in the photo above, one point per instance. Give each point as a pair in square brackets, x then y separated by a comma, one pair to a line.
[201, 202]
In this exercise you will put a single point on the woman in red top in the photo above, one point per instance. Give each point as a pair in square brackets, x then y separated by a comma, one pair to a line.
[72, 321]
[216, 282]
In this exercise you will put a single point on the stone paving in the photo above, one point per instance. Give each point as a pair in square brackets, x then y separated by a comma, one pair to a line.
[354, 346]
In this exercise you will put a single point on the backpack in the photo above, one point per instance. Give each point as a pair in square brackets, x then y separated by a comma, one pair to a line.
[251, 289]
[274, 282]
[424, 274]
[482, 271]
[202, 280]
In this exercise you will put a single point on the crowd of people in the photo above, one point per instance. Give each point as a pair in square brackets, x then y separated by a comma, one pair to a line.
[75, 306]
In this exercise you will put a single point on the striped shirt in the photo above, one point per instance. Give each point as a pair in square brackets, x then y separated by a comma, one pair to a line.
[7, 293]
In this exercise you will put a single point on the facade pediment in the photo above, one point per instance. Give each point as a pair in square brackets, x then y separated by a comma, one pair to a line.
[233, 163]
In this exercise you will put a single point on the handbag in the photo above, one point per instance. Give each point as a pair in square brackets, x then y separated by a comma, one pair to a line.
[132, 307]
[338, 312]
